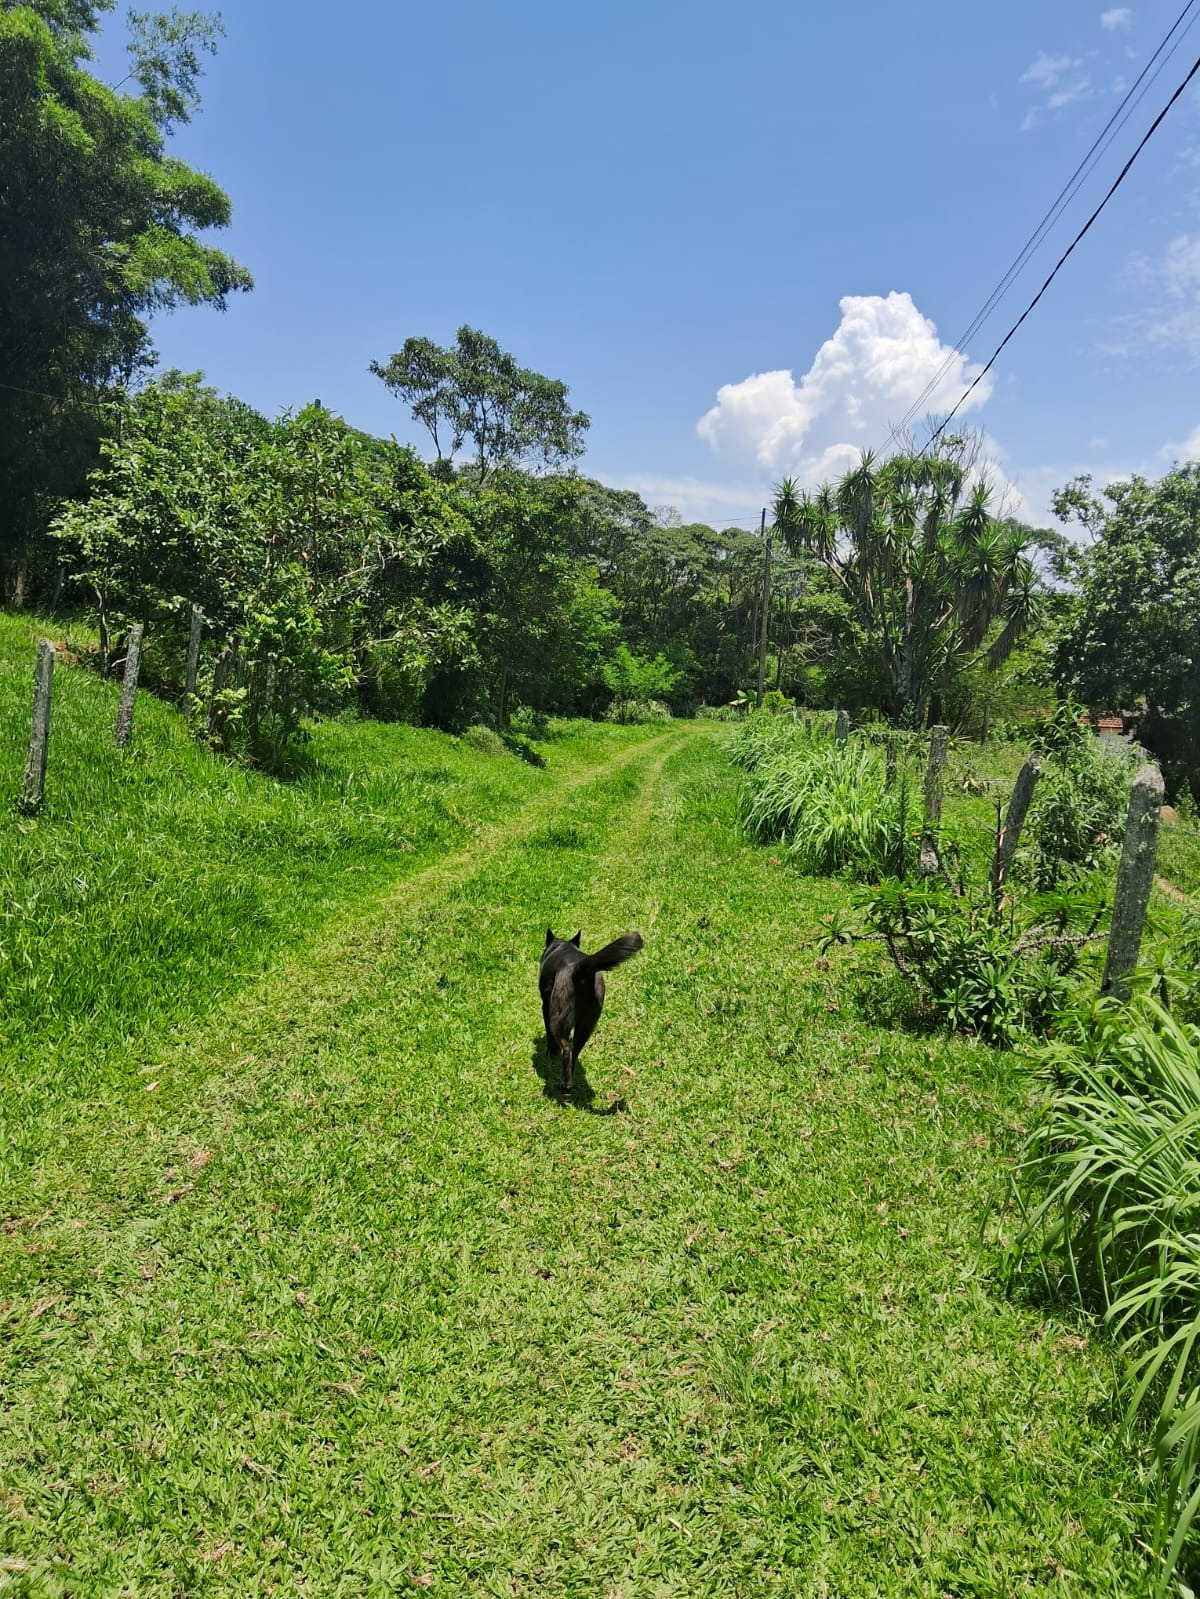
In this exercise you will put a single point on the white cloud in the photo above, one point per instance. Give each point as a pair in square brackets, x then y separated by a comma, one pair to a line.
[1063, 81]
[1180, 267]
[1187, 450]
[718, 504]
[861, 382]
[1047, 70]
[1116, 20]
[1172, 316]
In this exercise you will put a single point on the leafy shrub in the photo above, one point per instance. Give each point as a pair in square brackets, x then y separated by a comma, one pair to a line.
[1109, 1189]
[972, 966]
[828, 802]
[637, 677]
[484, 740]
[1078, 809]
[628, 712]
[526, 722]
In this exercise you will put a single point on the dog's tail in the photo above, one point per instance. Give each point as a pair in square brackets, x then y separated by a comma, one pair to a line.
[621, 949]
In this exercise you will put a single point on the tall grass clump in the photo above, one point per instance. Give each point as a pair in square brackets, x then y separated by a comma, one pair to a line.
[763, 734]
[828, 803]
[1109, 1187]
[634, 712]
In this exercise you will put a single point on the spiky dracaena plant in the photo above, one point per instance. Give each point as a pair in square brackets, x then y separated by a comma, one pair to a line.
[934, 579]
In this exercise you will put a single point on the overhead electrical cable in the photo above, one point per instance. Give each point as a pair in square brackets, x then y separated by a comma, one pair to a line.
[1117, 182]
[1141, 86]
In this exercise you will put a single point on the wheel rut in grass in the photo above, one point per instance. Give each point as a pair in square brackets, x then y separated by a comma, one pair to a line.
[301, 1006]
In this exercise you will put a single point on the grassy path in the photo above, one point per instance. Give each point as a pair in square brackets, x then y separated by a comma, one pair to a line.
[336, 1298]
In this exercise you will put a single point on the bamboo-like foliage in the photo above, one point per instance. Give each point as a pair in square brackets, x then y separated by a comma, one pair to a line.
[936, 581]
[826, 802]
[1109, 1185]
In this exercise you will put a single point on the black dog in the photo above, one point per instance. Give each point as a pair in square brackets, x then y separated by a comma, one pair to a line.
[572, 990]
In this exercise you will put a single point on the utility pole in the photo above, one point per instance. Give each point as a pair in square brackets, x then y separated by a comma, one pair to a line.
[766, 606]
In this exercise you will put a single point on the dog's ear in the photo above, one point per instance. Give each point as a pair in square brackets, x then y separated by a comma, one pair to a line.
[549, 937]
[578, 939]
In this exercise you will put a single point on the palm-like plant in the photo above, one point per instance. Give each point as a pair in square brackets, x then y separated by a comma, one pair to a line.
[934, 579]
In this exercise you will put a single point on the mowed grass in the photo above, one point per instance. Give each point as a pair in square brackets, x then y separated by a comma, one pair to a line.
[157, 880]
[325, 1292]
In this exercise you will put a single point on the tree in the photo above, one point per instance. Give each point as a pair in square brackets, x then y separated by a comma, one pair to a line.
[476, 391]
[306, 544]
[1132, 640]
[98, 226]
[932, 579]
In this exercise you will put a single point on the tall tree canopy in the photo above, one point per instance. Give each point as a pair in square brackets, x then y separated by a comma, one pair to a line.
[933, 580]
[98, 227]
[475, 392]
[1132, 642]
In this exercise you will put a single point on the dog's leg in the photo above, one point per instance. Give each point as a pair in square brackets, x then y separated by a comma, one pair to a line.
[551, 1043]
[568, 1070]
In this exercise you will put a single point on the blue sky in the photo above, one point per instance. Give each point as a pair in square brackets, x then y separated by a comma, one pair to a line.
[745, 237]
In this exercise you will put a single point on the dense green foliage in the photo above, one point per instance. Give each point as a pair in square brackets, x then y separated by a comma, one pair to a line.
[1110, 1206]
[972, 965]
[307, 546]
[98, 227]
[1078, 812]
[343, 571]
[933, 580]
[1133, 639]
[476, 393]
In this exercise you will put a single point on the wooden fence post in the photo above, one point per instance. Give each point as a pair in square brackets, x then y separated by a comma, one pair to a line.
[133, 661]
[220, 674]
[193, 657]
[1134, 878]
[841, 731]
[39, 739]
[1009, 835]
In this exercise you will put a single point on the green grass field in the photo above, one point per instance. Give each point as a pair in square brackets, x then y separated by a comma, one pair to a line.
[309, 1284]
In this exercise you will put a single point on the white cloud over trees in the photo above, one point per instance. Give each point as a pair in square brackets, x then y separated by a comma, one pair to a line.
[861, 382]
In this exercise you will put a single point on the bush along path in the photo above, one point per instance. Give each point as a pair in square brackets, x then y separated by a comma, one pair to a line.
[337, 1297]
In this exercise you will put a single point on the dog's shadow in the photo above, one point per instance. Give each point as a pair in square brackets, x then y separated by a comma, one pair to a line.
[582, 1095]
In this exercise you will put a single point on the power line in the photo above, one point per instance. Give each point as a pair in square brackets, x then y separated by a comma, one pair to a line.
[1133, 98]
[37, 394]
[1120, 178]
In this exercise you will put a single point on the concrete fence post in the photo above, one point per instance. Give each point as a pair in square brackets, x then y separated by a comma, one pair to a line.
[1135, 875]
[39, 739]
[133, 662]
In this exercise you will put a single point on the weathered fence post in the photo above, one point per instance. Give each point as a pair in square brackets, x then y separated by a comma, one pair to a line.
[133, 661]
[1009, 835]
[841, 731]
[889, 770]
[1134, 878]
[39, 739]
[193, 657]
[220, 675]
[939, 739]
